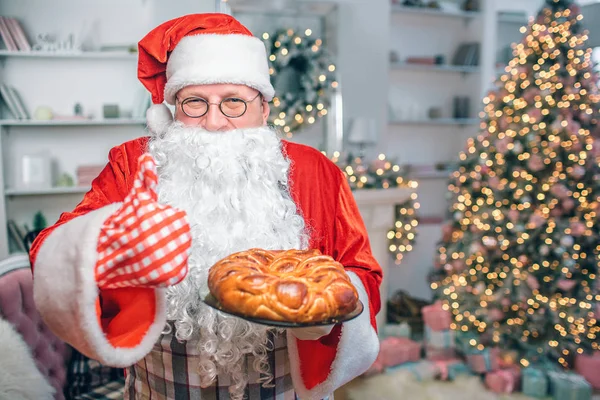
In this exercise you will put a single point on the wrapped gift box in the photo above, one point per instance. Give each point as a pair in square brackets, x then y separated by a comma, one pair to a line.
[535, 382]
[455, 370]
[397, 330]
[436, 318]
[503, 380]
[482, 361]
[437, 354]
[444, 339]
[569, 386]
[422, 370]
[588, 366]
[450, 369]
[395, 351]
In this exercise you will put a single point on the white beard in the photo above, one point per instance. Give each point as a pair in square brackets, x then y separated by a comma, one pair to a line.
[234, 188]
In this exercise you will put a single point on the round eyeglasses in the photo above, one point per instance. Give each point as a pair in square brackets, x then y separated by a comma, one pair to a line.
[231, 107]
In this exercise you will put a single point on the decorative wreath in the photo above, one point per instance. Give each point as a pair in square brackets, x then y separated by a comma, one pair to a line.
[303, 76]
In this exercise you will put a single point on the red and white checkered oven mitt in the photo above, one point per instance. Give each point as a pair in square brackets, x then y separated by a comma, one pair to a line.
[143, 243]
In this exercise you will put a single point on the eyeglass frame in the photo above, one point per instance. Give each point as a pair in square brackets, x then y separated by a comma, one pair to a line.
[220, 104]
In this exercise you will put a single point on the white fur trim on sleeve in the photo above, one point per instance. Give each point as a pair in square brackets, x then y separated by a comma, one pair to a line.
[65, 291]
[356, 352]
[213, 58]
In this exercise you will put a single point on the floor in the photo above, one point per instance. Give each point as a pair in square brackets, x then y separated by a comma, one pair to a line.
[400, 385]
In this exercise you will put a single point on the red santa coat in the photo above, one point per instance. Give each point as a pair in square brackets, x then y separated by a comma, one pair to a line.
[118, 327]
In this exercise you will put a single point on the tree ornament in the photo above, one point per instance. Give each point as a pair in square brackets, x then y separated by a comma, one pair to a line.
[567, 241]
[532, 282]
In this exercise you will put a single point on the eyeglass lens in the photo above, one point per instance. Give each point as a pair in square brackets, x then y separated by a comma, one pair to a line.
[196, 107]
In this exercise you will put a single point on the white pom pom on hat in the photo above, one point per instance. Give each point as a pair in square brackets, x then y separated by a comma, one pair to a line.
[158, 118]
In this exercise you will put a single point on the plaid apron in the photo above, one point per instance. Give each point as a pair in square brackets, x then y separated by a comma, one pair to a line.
[168, 372]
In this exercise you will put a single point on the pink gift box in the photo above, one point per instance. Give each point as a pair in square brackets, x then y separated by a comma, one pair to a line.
[436, 318]
[588, 366]
[503, 380]
[484, 361]
[395, 351]
[438, 354]
[443, 365]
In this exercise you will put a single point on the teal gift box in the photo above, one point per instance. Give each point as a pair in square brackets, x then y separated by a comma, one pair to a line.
[444, 339]
[457, 369]
[397, 330]
[569, 386]
[535, 383]
[421, 370]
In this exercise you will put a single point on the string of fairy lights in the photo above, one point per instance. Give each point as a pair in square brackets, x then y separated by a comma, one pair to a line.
[519, 261]
[384, 174]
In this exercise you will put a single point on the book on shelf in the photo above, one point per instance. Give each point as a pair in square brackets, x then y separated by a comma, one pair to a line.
[18, 34]
[467, 54]
[420, 60]
[13, 101]
[7, 38]
[10, 103]
[16, 235]
[13, 35]
[20, 105]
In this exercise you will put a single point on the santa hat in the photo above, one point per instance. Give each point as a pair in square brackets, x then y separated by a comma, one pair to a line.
[199, 49]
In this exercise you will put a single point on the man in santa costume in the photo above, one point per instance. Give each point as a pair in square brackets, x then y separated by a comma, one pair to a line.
[122, 277]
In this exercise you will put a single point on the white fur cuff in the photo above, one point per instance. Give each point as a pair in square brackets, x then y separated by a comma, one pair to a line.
[356, 352]
[65, 291]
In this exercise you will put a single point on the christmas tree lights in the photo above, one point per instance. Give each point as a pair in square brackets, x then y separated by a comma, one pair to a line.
[518, 262]
[383, 174]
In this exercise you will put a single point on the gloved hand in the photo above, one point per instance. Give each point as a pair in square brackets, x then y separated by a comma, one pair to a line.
[312, 332]
[143, 243]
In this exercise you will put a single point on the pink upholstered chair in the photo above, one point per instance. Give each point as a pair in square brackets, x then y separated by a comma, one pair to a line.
[17, 307]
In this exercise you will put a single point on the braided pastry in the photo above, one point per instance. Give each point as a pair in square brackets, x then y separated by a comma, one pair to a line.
[292, 285]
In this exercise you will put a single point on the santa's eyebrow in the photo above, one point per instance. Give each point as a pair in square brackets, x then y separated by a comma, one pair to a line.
[203, 96]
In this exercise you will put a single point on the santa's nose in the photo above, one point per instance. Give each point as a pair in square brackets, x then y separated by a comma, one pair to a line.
[215, 121]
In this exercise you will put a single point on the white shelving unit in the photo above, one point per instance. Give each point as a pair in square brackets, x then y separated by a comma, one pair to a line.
[437, 121]
[413, 139]
[466, 15]
[74, 122]
[49, 191]
[465, 69]
[416, 140]
[75, 54]
[69, 141]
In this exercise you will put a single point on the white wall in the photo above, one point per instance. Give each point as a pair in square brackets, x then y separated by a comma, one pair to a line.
[363, 59]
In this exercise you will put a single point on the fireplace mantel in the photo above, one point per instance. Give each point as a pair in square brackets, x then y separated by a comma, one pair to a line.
[377, 208]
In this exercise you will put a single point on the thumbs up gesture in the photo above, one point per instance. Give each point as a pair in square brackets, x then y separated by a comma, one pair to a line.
[144, 243]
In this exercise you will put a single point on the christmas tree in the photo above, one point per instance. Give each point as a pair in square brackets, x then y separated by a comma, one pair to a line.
[518, 261]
